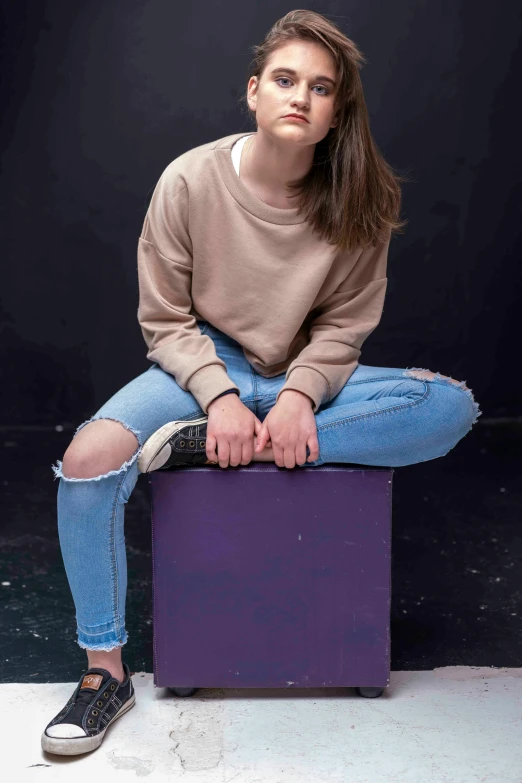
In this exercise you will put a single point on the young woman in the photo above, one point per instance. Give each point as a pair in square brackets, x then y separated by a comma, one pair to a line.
[262, 269]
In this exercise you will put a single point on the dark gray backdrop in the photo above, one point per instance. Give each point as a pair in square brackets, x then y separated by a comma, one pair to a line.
[97, 99]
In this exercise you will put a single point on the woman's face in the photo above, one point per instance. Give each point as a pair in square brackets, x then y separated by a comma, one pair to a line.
[307, 92]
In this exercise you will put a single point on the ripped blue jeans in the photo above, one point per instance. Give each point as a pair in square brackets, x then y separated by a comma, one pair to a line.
[383, 416]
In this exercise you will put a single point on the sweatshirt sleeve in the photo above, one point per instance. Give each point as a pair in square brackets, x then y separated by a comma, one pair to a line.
[338, 328]
[165, 260]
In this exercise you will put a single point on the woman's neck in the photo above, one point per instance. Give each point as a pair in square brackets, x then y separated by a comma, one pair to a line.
[267, 167]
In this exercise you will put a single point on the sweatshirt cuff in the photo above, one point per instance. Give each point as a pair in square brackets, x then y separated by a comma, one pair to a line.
[308, 381]
[205, 384]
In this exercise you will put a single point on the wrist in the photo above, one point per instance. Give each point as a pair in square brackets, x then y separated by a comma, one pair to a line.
[224, 397]
[296, 395]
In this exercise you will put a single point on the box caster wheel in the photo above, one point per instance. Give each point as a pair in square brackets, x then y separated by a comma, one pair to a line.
[183, 691]
[370, 693]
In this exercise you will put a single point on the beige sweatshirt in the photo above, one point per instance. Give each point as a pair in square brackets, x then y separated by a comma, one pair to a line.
[211, 250]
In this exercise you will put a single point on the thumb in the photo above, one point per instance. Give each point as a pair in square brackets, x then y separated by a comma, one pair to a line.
[262, 438]
[258, 428]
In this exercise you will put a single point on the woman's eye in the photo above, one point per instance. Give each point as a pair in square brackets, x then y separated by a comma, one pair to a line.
[284, 78]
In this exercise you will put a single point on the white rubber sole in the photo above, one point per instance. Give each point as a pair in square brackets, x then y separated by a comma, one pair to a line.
[155, 452]
[72, 746]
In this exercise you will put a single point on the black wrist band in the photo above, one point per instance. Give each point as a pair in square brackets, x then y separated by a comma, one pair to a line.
[228, 391]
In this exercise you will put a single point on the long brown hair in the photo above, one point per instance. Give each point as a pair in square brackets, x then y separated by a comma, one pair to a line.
[350, 195]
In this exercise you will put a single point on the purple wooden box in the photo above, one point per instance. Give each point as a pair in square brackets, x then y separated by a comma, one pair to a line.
[265, 577]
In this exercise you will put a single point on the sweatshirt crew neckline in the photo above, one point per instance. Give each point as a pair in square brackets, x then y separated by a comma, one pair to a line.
[243, 195]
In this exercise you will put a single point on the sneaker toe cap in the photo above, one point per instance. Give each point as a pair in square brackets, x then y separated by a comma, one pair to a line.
[65, 731]
[144, 466]
[160, 458]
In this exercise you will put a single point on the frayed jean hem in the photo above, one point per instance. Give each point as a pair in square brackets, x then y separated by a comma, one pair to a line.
[107, 640]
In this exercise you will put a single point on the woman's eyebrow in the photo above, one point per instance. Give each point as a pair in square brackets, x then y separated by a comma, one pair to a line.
[294, 73]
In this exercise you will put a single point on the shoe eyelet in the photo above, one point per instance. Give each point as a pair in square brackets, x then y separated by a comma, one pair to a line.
[90, 721]
[201, 444]
[106, 695]
[99, 703]
[191, 443]
[113, 686]
[182, 443]
[95, 712]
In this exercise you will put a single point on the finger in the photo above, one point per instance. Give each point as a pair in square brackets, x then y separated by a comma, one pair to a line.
[211, 445]
[262, 438]
[300, 453]
[258, 428]
[313, 445]
[247, 452]
[223, 453]
[278, 456]
[235, 453]
[289, 458]
[268, 441]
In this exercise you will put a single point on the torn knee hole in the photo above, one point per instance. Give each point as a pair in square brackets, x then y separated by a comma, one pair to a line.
[83, 466]
[94, 419]
[58, 470]
[428, 375]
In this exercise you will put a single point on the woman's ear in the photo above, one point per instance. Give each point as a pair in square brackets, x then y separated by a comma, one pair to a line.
[251, 92]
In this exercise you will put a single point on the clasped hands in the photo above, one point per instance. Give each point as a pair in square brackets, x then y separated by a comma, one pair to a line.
[235, 434]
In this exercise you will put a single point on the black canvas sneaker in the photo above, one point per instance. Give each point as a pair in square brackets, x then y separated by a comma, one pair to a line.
[176, 444]
[97, 701]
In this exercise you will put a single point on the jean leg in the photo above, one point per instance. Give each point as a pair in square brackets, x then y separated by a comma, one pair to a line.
[91, 511]
[388, 416]
[92, 542]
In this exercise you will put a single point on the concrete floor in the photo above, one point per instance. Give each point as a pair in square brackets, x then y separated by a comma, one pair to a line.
[455, 724]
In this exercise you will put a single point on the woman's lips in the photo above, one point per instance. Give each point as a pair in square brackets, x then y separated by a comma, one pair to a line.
[293, 117]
